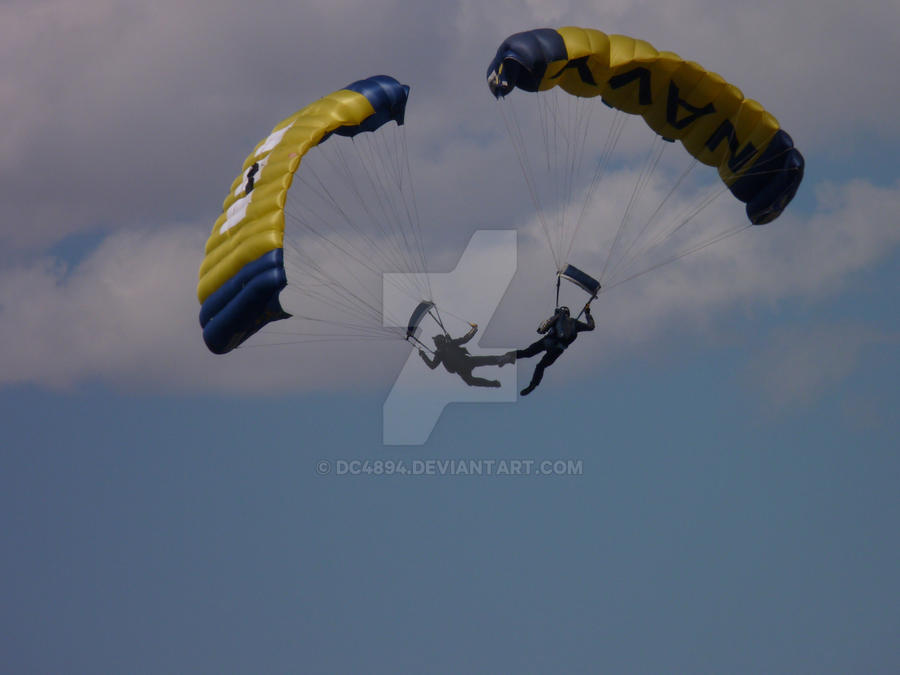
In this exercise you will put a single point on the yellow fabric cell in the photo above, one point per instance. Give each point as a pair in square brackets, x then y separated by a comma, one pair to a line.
[252, 248]
[754, 126]
[655, 116]
[271, 220]
[722, 95]
[581, 43]
[262, 200]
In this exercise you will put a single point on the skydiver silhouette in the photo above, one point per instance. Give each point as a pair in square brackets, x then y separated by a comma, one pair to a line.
[560, 331]
[457, 360]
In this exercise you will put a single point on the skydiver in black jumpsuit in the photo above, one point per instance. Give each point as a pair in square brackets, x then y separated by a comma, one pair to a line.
[560, 331]
[456, 359]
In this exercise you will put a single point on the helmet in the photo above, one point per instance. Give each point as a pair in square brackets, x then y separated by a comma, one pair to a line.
[563, 310]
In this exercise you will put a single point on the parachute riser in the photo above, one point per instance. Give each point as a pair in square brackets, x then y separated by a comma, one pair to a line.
[587, 304]
[437, 318]
[420, 343]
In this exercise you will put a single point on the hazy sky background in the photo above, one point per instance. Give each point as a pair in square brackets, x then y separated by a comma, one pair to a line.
[735, 415]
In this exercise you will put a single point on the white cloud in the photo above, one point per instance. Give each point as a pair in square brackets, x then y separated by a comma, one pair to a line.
[127, 313]
[118, 314]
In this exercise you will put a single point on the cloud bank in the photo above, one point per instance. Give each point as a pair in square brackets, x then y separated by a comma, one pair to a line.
[127, 313]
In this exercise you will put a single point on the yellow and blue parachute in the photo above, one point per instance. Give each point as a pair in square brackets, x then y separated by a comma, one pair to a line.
[243, 271]
[678, 99]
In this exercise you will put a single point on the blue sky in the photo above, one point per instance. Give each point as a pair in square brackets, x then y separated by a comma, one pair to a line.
[735, 417]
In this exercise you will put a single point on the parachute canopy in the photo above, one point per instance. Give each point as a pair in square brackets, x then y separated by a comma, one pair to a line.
[678, 99]
[243, 271]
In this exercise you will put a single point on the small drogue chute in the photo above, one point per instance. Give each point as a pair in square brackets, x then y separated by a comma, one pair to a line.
[581, 279]
[424, 309]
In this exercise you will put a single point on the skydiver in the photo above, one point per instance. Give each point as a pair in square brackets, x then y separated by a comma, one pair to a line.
[560, 331]
[456, 358]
